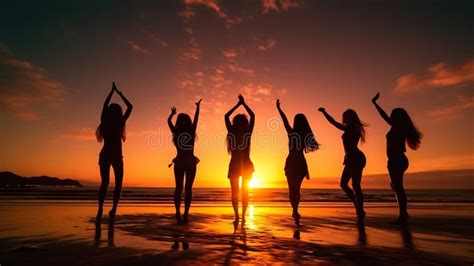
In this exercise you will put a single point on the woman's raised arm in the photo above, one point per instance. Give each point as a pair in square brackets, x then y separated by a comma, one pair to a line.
[196, 114]
[170, 123]
[283, 117]
[106, 102]
[249, 111]
[228, 125]
[331, 119]
[380, 110]
[127, 113]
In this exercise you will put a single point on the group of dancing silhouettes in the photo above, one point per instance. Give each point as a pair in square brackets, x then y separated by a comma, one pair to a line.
[111, 131]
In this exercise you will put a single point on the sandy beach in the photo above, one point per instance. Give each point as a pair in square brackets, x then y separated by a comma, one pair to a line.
[65, 234]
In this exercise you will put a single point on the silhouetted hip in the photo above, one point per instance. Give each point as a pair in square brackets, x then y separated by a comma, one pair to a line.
[295, 165]
[397, 163]
[186, 163]
[240, 166]
[107, 157]
[355, 159]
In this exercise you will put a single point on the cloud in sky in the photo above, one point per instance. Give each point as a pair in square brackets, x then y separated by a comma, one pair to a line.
[154, 38]
[188, 13]
[278, 5]
[80, 134]
[192, 51]
[232, 63]
[232, 53]
[267, 45]
[454, 110]
[235, 67]
[192, 81]
[257, 92]
[438, 75]
[137, 48]
[219, 79]
[24, 85]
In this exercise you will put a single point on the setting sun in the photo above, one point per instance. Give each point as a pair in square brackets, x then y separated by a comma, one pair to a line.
[254, 182]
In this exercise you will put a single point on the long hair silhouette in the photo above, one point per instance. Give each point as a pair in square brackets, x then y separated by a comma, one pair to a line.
[112, 124]
[401, 121]
[184, 132]
[240, 122]
[351, 120]
[303, 130]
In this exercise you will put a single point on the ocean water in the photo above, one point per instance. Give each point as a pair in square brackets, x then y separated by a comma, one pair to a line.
[215, 195]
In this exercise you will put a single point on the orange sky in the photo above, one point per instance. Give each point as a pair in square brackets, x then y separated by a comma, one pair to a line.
[162, 54]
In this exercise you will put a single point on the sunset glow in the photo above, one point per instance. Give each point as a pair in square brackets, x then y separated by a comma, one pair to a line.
[162, 55]
[236, 132]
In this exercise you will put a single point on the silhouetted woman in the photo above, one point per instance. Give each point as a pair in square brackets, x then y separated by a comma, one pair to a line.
[239, 133]
[184, 136]
[112, 131]
[354, 159]
[300, 140]
[402, 130]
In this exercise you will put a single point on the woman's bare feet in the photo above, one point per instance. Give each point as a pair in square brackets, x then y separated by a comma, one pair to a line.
[98, 217]
[297, 217]
[185, 218]
[401, 220]
[178, 218]
[112, 215]
[236, 222]
[361, 217]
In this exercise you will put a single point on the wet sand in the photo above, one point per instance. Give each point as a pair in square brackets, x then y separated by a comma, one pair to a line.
[65, 234]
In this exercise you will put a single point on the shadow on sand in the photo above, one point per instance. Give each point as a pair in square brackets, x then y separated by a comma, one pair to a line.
[211, 239]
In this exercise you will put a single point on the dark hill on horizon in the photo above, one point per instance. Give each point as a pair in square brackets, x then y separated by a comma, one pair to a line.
[9, 179]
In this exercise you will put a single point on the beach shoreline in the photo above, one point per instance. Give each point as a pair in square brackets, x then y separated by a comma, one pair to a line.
[147, 234]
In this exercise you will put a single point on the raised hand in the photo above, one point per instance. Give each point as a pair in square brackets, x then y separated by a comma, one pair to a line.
[376, 97]
[198, 102]
[321, 109]
[173, 110]
[241, 98]
[278, 103]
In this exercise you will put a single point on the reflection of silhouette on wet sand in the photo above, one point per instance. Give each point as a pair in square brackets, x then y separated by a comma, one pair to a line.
[407, 237]
[331, 236]
[211, 237]
[362, 240]
[238, 247]
[110, 233]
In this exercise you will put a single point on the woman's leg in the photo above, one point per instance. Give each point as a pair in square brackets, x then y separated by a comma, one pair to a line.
[396, 178]
[104, 183]
[297, 194]
[234, 185]
[245, 195]
[179, 179]
[118, 173]
[346, 176]
[294, 186]
[291, 197]
[356, 181]
[188, 191]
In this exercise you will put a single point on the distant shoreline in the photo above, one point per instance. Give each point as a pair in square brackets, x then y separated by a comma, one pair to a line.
[214, 195]
[459, 179]
[11, 180]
